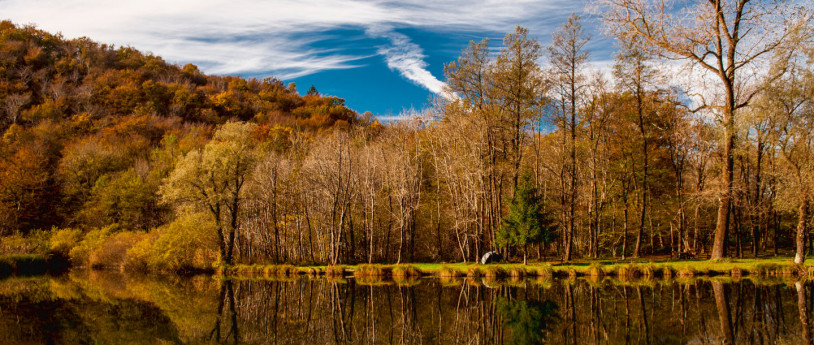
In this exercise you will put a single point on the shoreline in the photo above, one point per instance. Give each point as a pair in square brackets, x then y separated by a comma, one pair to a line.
[27, 265]
[765, 267]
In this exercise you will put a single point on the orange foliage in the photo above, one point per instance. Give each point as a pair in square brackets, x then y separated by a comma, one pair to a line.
[96, 111]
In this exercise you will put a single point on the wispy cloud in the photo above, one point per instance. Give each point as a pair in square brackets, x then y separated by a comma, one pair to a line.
[183, 30]
[406, 57]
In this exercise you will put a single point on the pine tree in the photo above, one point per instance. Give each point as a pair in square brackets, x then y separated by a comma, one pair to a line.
[528, 220]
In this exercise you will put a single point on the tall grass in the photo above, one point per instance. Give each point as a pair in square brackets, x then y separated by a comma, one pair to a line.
[372, 270]
[335, 271]
[449, 271]
[595, 270]
[494, 272]
[405, 271]
[516, 272]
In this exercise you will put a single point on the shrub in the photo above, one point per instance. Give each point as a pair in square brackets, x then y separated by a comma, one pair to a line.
[595, 270]
[312, 271]
[474, 272]
[63, 240]
[629, 271]
[371, 270]
[139, 256]
[287, 270]
[494, 272]
[112, 251]
[188, 243]
[765, 269]
[335, 271]
[269, 270]
[80, 254]
[36, 242]
[544, 271]
[406, 271]
[449, 271]
[787, 270]
[685, 272]
[648, 270]
[516, 272]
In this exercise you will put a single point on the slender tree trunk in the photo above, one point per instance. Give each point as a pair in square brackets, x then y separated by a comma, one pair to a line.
[645, 190]
[802, 219]
[756, 216]
[624, 232]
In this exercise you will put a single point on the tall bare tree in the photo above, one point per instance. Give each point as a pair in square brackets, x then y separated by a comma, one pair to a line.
[634, 74]
[790, 101]
[723, 37]
[568, 58]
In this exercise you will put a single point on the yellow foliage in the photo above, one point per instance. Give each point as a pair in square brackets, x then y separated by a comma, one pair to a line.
[188, 242]
[35, 242]
[63, 240]
[93, 240]
[112, 250]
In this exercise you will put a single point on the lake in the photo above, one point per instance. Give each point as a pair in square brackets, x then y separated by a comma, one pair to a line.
[103, 307]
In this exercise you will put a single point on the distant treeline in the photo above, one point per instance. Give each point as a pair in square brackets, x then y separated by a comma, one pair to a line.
[125, 160]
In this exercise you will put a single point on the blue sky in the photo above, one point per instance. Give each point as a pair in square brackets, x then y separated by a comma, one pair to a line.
[381, 56]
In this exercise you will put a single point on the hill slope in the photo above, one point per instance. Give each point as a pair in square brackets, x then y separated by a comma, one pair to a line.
[78, 117]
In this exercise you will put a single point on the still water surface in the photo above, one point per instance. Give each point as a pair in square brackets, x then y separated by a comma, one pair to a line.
[112, 308]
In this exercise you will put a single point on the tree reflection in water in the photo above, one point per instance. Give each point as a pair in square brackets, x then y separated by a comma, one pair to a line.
[227, 313]
[527, 321]
[106, 308]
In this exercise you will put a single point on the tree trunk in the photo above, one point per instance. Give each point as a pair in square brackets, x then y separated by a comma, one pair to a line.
[624, 233]
[802, 218]
[724, 206]
[756, 216]
[640, 110]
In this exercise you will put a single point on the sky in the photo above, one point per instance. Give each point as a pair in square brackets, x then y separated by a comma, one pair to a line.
[382, 56]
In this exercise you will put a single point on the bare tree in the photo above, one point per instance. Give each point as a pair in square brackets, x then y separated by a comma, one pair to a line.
[723, 37]
[568, 57]
[790, 101]
[12, 105]
[634, 75]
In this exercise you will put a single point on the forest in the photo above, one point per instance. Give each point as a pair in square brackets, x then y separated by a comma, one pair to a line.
[114, 158]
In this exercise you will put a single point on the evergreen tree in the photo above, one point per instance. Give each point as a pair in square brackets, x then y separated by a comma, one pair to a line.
[528, 220]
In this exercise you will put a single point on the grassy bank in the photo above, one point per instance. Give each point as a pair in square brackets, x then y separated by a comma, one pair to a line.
[764, 267]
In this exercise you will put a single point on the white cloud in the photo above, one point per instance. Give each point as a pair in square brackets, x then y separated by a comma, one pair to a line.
[407, 58]
[255, 36]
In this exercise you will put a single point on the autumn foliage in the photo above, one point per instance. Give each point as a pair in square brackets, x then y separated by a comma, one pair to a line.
[89, 130]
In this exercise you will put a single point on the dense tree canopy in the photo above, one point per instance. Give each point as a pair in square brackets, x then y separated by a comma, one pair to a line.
[116, 158]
